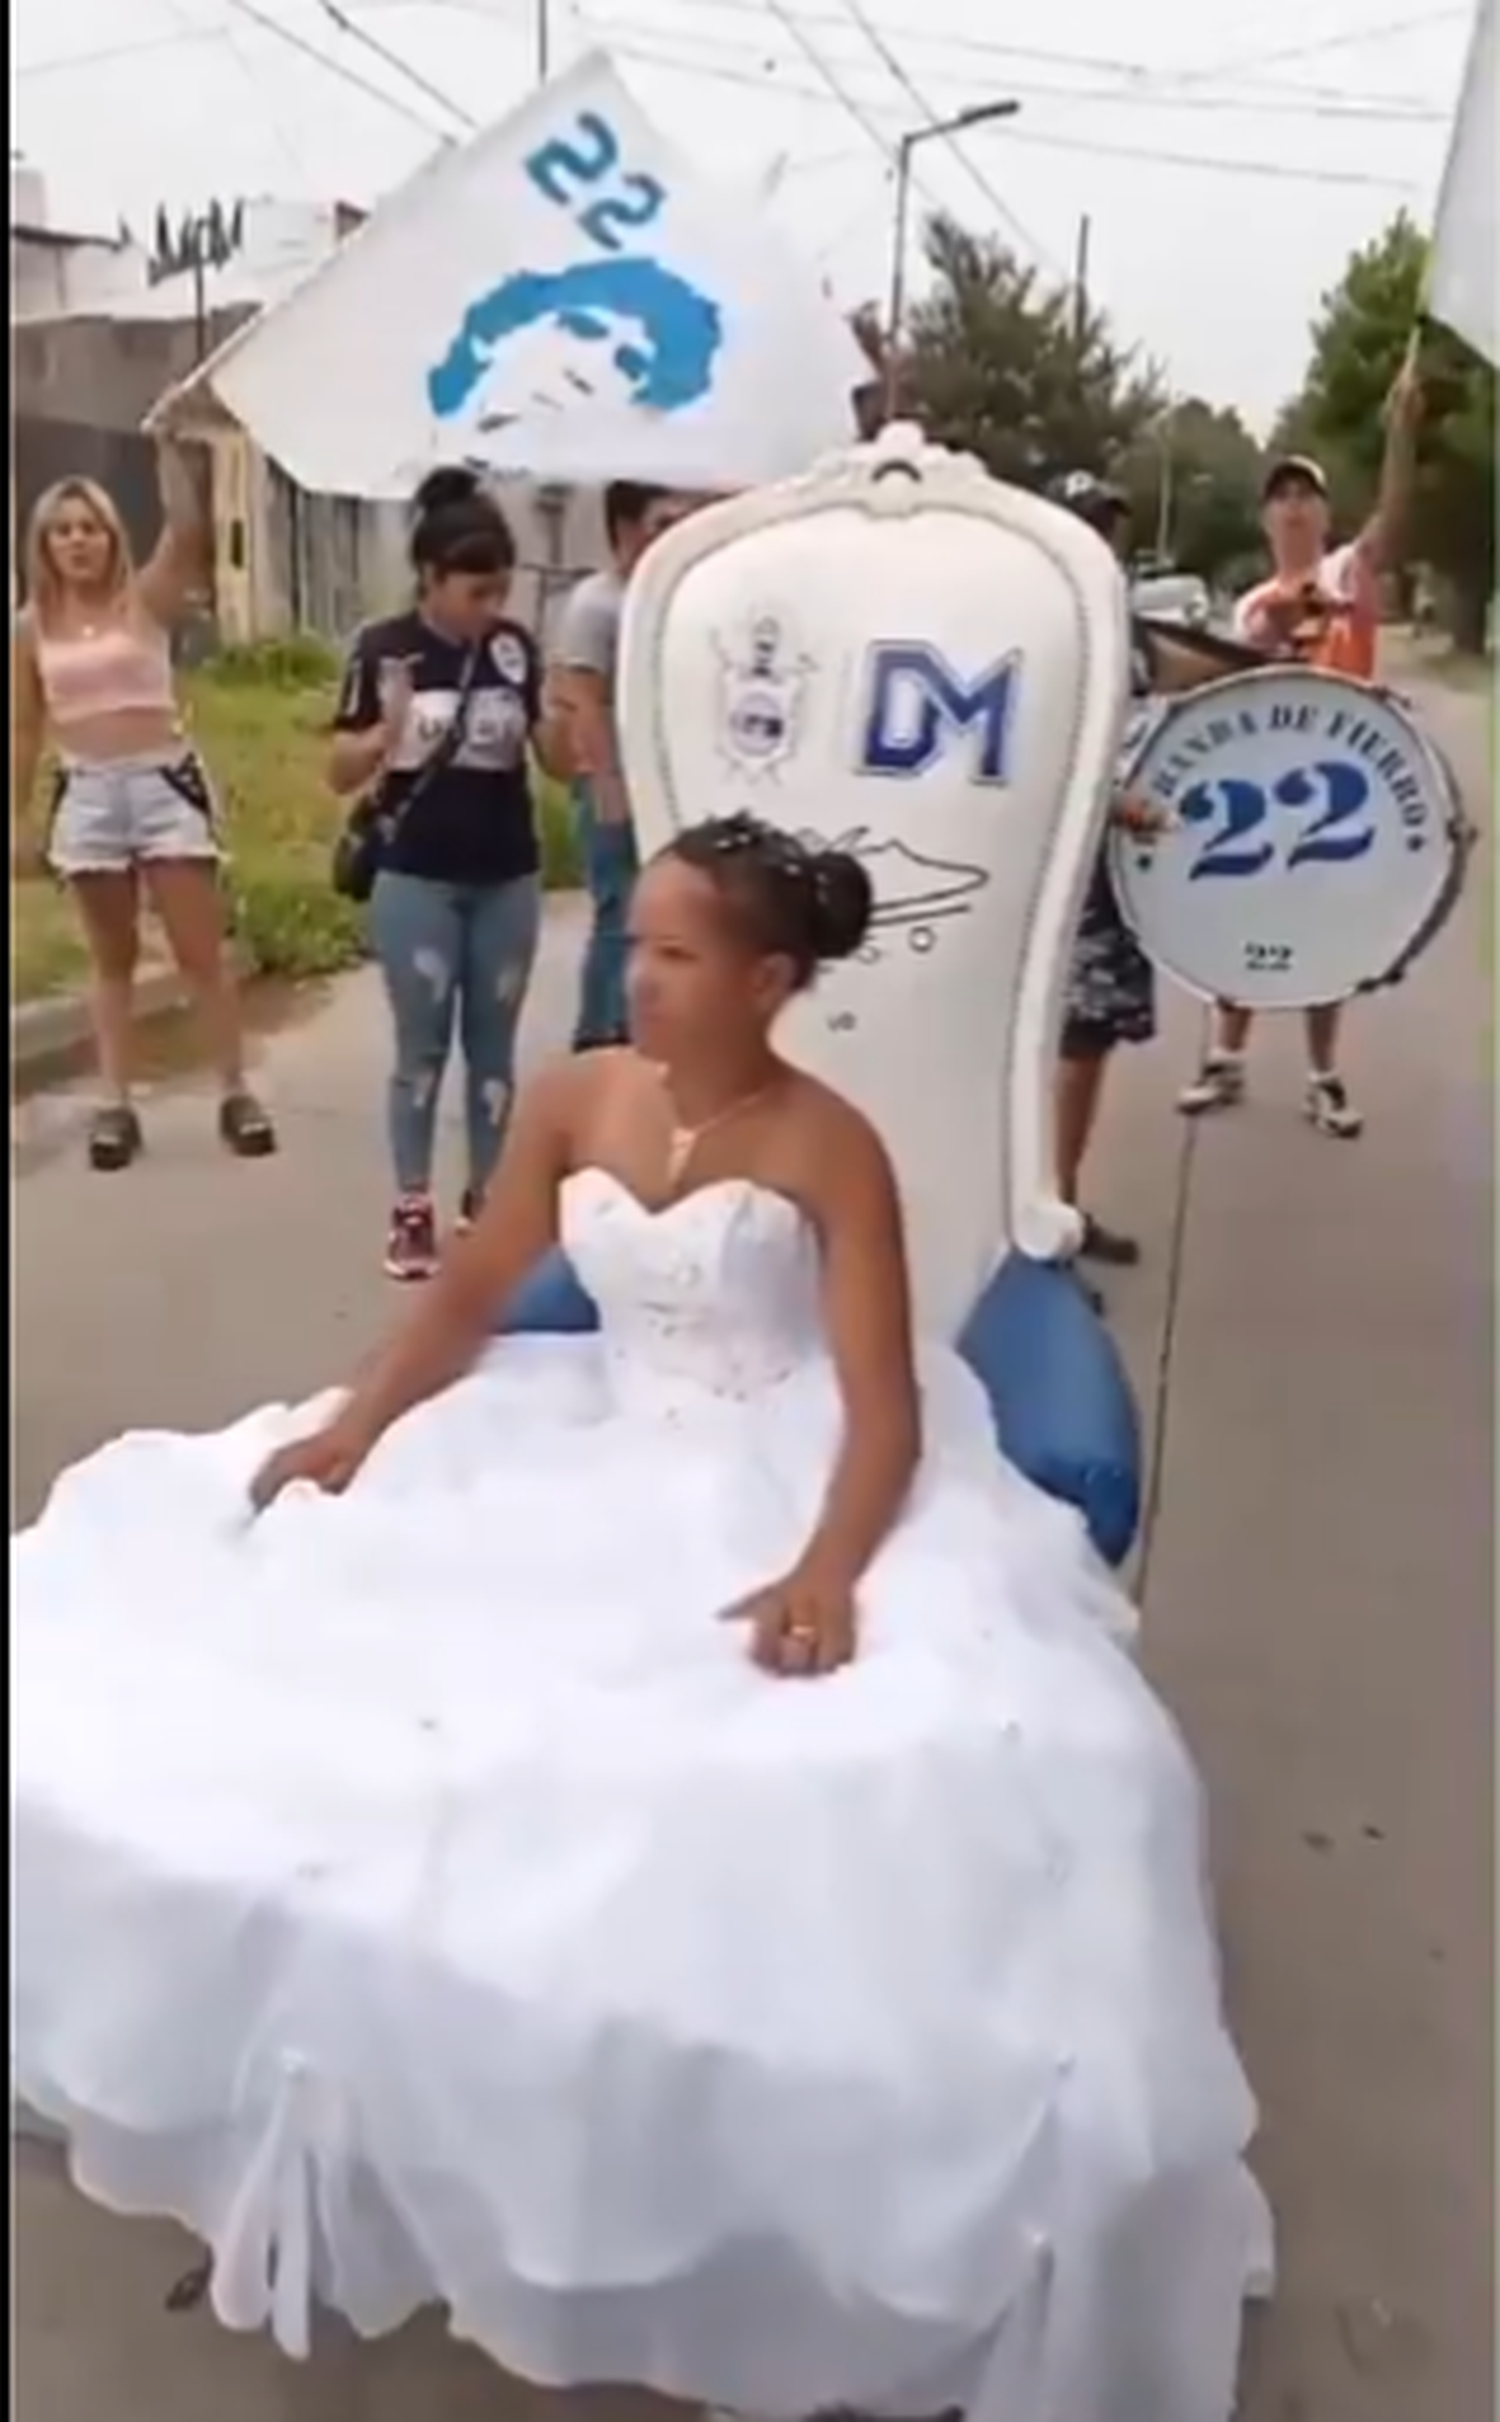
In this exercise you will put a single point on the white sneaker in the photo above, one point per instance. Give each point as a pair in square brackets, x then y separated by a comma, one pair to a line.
[1328, 1106]
[1218, 1085]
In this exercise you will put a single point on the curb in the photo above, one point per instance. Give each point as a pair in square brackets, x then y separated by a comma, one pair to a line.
[42, 1032]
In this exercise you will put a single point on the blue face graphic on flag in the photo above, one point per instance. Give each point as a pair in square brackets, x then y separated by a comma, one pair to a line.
[665, 335]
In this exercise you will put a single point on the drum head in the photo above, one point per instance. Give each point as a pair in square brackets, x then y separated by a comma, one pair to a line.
[1315, 843]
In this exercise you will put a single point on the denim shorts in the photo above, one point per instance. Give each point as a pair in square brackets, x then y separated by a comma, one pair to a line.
[108, 816]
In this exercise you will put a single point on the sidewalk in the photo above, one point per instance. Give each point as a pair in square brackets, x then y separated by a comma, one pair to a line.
[1311, 1334]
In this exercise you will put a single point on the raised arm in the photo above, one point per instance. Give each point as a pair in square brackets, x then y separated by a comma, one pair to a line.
[454, 1315]
[178, 565]
[1381, 542]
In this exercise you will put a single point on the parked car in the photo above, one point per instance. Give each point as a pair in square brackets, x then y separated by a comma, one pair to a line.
[1179, 597]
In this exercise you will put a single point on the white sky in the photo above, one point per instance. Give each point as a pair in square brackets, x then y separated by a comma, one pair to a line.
[1227, 174]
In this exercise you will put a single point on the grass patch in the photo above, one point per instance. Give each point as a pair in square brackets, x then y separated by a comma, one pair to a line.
[46, 953]
[260, 716]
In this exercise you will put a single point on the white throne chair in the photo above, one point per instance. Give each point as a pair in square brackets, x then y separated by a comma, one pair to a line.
[897, 653]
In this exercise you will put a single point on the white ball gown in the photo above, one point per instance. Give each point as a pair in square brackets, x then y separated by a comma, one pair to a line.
[421, 1896]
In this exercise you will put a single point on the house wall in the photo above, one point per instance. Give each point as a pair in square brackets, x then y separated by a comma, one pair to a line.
[283, 560]
[81, 388]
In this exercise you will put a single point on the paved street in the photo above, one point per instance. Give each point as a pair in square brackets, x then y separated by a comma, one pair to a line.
[1312, 1338]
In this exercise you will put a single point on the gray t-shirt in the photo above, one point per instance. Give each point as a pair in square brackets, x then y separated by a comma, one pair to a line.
[588, 633]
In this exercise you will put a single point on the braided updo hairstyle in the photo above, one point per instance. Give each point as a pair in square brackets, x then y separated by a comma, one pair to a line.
[786, 897]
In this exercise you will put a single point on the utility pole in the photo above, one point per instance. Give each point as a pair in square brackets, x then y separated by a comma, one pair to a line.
[198, 247]
[1166, 484]
[1081, 284]
[543, 41]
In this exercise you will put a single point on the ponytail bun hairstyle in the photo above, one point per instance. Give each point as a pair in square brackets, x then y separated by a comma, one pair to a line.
[458, 527]
[788, 898]
[449, 484]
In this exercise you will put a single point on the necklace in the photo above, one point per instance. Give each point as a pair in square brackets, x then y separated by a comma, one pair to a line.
[683, 1142]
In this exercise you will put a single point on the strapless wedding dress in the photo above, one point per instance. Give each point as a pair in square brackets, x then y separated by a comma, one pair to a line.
[421, 1896]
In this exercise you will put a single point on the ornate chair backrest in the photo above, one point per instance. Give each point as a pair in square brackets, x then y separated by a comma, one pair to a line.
[898, 654]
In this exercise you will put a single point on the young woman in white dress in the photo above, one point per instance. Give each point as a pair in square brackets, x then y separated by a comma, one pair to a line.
[651, 1838]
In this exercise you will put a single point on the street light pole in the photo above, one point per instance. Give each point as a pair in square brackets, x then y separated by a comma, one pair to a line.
[896, 313]
[982, 113]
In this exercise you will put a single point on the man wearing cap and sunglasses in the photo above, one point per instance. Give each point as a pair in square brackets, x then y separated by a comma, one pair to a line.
[1320, 607]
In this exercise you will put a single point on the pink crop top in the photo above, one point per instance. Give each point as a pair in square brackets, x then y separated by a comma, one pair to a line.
[118, 672]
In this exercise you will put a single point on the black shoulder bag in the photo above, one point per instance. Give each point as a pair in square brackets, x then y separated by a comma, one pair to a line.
[364, 845]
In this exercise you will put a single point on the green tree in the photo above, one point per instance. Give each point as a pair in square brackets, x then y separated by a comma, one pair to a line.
[1358, 340]
[1014, 369]
[1193, 479]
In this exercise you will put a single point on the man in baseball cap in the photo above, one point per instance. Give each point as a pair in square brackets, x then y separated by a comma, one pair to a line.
[1321, 606]
[1104, 507]
[1289, 472]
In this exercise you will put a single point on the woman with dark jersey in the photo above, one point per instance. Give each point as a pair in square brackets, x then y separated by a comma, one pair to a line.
[440, 708]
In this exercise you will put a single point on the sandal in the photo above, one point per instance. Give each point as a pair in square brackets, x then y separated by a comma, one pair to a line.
[114, 1136]
[245, 1127]
[1106, 1245]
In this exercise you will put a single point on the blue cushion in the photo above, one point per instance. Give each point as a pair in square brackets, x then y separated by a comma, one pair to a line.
[1062, 1405]
[549, 1302]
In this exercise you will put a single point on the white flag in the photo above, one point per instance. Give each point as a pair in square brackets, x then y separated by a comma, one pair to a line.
[1461, 284]
[562, 296]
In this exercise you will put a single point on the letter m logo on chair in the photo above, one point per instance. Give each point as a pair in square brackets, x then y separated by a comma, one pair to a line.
[916, 707]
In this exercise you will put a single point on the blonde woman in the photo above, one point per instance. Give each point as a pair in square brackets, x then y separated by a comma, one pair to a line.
[131, 806]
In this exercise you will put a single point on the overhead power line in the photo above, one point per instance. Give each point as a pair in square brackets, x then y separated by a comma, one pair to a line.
[1136, 90]
[831, 89]
[343, 23]
[1216, 163]
[1317, 102]
[1354, 37]
[1148, 84]
[1133, 72]
[1274, 169]
[77, 61]
[848, 102]
[286, 141]
[933, 119]
[336, 67]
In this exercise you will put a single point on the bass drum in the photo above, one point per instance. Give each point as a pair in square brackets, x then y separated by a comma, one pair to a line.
[1312, 841]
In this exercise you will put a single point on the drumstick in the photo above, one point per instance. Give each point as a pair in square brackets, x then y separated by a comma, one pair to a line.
[1235, 655]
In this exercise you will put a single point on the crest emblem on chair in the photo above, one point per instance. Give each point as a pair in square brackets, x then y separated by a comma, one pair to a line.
[897, 655]
[761, 692]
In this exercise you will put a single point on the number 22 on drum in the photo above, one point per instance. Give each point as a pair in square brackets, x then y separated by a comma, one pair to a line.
[1337, 831]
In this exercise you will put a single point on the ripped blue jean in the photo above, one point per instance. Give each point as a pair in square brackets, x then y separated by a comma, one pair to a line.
[452, 951]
